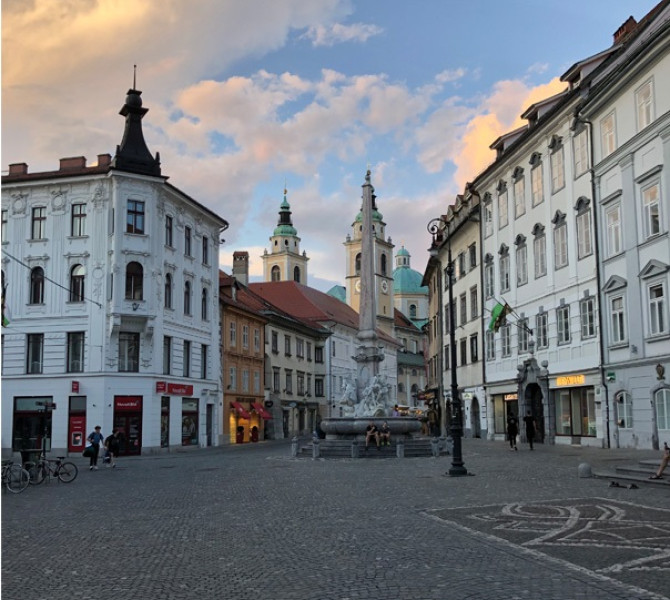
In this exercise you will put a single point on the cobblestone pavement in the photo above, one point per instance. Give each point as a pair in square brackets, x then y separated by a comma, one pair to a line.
[250, 522]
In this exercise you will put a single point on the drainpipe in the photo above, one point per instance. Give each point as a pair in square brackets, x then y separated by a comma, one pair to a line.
[603, 379]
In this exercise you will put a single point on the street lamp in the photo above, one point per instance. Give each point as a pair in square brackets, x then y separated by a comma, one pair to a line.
[437, 228]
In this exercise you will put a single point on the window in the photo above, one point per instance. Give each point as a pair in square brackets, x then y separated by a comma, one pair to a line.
[461, 265]
[581, 152]
[275, 274]
[357, 264]
[257, 340]
[382, 261]
[650, 207]
[129, 352]
[584, 247]
[35, 353]
[232, 378]
[134, 281]
[503, 215]
[504, 273]
[309, 351]
[296, 274]
[607, 135]
[617, 320]
[522, 329]
[662, 401]
[644, 99]
[557, 169]
[135, 217]
[167, 354]
[3, 232]
[563, 324]
[489, 286]
[38, 223]
[625, 410]
[318, 387]
[522, 264]
[505, 340]
[561, 244]
[287, 345]
[537, 185]
[275, 342]
[77, 283]
[187, 297]
[658, 323]
[488, 218]
[300, 347]
[541, 330]
[205, 250]
[75, 352]
[519, 197]
[245, 336]
[472, 252]
[464, 309]
[204, 357]
[187, 241]
[289, 381]
[245, 380]
[412, 311]
[540, 255]
[474, 302]
[587, 313]
[276, 383]
[446, 362]
[318, 354]
[232, 334]
[37, 286]
[168, 290]
[257, 382]
[474, 350]
[168, 231]
[187, 359]
[78, 220]
[300, 376]
[464, 351]
[204, 304]
[490, 346]
[614, 231]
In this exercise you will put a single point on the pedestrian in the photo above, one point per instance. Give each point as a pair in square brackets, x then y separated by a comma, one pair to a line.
[396, 411]
[512, 431]
[385, 434]
[95, 438]
[112, 445]
[529, 421]
[664, 462]
[371, 432]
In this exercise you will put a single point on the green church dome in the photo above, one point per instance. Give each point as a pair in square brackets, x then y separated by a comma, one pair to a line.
[408, 281]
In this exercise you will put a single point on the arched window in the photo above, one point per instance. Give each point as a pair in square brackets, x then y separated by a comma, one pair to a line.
[204, 302]
[168, 290]
[275, 274]
[296, 274]
[37, 286]
[412, 311]
[383, 264]
[358, 264]
[625, 410]
[134, 281]
[77, 283]
[401, 388]
[415, 389]
[662, 399]
[187, 298]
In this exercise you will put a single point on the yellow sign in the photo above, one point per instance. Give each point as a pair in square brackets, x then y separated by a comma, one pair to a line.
[571, 380]
[510, 397]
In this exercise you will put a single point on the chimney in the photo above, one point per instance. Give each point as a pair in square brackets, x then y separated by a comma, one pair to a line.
[73, 163]
[241, 266]
[104, 160]
[18, 169]
[628, 27]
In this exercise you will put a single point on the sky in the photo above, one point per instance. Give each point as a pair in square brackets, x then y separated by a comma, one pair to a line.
[247, 98]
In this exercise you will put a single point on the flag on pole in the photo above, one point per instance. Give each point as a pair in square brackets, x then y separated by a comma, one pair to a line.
[6, 315]
[499, 316]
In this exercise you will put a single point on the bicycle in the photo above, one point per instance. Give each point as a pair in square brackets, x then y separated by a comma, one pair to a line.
[14, 476]
[45, 468]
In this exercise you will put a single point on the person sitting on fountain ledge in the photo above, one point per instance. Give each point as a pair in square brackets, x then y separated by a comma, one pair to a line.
[371, 431]
[385, 434]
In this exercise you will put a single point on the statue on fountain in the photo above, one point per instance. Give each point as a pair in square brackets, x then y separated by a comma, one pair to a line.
[374, 401]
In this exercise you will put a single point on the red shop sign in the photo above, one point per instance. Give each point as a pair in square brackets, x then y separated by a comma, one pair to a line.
[128, 403]
[161, 386]
[179, 389]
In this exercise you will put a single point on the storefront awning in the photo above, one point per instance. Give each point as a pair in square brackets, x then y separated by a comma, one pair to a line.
[240, 410]
[260, 409]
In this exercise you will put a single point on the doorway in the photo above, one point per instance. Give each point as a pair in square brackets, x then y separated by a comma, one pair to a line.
[128, 422]
[534, 403]
[474, 416]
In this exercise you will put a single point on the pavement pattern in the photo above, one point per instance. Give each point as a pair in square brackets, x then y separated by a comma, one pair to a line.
[250, 522]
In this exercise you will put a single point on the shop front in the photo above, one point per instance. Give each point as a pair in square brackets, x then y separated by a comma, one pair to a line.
[505, 405]
[32, 423]
[128, 422]
[574, 400]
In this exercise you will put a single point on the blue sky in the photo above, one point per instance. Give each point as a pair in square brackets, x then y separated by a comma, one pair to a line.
[247, 95]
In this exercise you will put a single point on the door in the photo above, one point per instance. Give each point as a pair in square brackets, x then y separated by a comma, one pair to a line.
[208, 424]
[534, 401]
[130, 433]
[474, 415]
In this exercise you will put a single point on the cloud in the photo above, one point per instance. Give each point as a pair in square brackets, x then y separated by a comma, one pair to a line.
[337, 33]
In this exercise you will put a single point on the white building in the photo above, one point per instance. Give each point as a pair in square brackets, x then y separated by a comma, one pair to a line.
[111, 278]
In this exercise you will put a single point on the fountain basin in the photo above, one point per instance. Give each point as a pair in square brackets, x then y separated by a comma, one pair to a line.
[352, 427]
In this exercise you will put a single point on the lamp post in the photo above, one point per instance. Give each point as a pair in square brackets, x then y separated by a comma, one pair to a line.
[437, 228]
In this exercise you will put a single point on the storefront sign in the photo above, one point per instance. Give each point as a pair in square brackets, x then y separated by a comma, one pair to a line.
[509, 397]
[128, 403]
[174, 389]
[570, 380]
[75, 387]
[161, 386]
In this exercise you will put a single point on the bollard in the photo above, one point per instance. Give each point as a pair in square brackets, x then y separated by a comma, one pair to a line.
[584, 470]
[435, 447]
[400, 449]
[316, 452]
[354, 449]
[294, 447]
[443, 445]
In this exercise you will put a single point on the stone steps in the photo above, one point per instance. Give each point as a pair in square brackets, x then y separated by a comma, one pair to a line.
[342, 448]
[637, 473]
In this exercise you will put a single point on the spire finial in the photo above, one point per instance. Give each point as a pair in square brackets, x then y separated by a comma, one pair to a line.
[134, 77]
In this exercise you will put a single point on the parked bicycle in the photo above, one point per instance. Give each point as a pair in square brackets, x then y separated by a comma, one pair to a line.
[45, 468]
[14, 476]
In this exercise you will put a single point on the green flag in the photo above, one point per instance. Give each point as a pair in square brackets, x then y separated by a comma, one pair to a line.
[499, 316]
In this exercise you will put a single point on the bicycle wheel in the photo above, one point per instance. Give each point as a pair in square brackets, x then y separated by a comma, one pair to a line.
[17, 479]
[67, 472]
[37, 472]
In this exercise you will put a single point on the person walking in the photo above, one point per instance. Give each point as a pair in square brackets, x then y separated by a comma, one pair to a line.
[112, 445]
[95, 438]
[512, 431]
[664, 462]
[529, 422]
